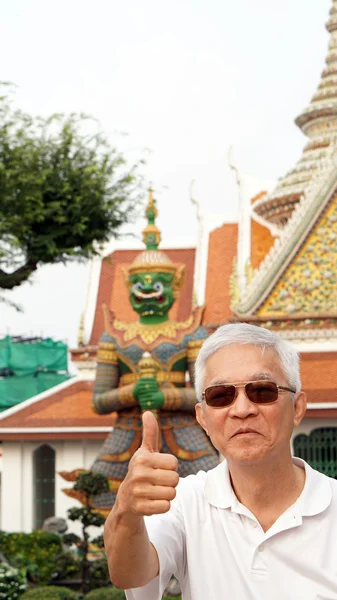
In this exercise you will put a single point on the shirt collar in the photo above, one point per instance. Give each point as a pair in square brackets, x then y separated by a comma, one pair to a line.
[315, 497]
[317, 492]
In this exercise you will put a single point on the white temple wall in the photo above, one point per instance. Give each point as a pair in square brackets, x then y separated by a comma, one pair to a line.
[72, 455]
[15, 494]
[17, 489]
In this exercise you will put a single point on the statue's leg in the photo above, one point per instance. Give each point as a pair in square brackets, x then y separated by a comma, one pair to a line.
[113, 461]
[192, 447]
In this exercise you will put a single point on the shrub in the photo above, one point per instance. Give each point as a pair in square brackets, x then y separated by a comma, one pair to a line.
[35, 552]
[108, 593]
[66, 566]
[89, 484]
[12, 582]
[98, 576]
[50, 592]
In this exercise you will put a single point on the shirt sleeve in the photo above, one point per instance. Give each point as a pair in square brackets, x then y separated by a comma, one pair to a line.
[167, 534]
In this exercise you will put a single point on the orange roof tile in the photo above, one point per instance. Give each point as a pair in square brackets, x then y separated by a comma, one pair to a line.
[222, 250]
[112, 290]
[319, 376]
[69, 407]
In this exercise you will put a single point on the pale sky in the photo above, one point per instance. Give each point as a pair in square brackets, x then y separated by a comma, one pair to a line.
[185, 79]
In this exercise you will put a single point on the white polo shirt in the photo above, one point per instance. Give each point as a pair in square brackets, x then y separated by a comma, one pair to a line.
[218, 551]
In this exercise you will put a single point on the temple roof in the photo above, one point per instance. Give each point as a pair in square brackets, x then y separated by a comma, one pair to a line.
[62, 413]
[297, 280]
[318, 121]
[294, 287]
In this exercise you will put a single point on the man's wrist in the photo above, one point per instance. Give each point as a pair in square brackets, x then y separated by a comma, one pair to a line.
[127, 519]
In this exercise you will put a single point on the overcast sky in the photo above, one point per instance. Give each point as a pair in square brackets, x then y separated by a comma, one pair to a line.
[185, 79]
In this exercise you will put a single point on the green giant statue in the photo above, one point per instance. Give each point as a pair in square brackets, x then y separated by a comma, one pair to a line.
[143, 366]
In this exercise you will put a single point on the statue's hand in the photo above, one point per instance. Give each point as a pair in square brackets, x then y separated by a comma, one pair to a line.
[148, 394]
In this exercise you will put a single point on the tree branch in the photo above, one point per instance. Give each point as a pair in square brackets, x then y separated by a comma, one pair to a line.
[8, 281]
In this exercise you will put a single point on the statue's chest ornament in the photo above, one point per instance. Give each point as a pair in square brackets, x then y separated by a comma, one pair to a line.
[151, 333]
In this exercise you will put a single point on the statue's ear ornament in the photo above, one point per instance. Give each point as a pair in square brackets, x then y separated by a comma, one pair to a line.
[178, 280]
[126, 278]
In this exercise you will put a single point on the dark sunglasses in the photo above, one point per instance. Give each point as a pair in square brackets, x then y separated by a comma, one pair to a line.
[260, 392]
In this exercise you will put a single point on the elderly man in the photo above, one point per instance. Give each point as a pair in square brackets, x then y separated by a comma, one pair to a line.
[262, 525]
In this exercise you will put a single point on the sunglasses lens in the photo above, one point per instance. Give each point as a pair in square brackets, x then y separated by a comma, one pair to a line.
[262, 392]
[219, 396]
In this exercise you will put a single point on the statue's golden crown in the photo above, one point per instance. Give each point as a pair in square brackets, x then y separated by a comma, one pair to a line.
[152, 259]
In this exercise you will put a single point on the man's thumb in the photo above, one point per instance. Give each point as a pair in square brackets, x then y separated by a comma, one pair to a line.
[150, 432]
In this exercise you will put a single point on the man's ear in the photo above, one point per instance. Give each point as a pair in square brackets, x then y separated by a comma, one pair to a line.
[199, 413]
[300, 407]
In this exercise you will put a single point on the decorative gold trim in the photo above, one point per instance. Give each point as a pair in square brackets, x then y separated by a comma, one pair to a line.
[149, 335]
[162, 376]
[107, 357]
[154, 268]
[114, 485]
[193, 349]
[107, 353]
[107, 346]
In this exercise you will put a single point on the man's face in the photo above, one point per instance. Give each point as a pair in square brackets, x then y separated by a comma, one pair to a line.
[272, 424]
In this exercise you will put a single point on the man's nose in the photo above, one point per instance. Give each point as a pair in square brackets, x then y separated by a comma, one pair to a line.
[242, 407]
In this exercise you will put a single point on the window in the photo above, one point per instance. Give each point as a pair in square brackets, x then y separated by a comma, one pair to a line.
[319, 449]
[44, 484]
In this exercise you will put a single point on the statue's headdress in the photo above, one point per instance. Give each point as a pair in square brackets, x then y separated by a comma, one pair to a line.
[152, 259]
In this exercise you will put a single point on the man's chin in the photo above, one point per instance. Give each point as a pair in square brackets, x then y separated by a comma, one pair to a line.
[245, 453]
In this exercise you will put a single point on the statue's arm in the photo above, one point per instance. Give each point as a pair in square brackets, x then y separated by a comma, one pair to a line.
[107, 396]
[184, 398]
[179, 399]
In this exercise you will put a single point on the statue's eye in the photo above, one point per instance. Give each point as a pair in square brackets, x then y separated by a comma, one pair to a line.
[139, 286]
[158, 286]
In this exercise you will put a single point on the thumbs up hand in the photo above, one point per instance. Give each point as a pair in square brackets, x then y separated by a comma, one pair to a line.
[150, 483]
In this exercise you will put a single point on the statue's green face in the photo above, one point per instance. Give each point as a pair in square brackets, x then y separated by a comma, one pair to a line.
[151, 294]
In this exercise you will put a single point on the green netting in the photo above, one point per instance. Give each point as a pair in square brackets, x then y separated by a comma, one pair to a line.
[35, 367]
[26, 357]
[14, 390]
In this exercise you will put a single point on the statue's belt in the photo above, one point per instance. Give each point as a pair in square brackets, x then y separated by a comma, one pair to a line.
[161, 377]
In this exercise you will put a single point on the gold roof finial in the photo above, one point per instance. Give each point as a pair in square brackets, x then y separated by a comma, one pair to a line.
[151, 233]
[80, 335]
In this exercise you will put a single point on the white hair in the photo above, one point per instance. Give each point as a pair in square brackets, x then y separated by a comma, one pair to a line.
[243, 333]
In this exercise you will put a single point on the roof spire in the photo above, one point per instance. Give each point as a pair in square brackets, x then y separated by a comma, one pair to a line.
[318, 121]
[151, 233]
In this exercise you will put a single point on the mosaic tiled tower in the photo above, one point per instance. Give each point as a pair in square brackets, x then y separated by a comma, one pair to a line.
[294, 288]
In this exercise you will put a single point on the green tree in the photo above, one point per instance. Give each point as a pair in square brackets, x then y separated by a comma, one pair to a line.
[89, 484]
[64, 192]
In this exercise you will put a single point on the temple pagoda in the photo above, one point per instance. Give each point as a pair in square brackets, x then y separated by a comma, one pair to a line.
[318, 122]
[292, 287]
[289, 282]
